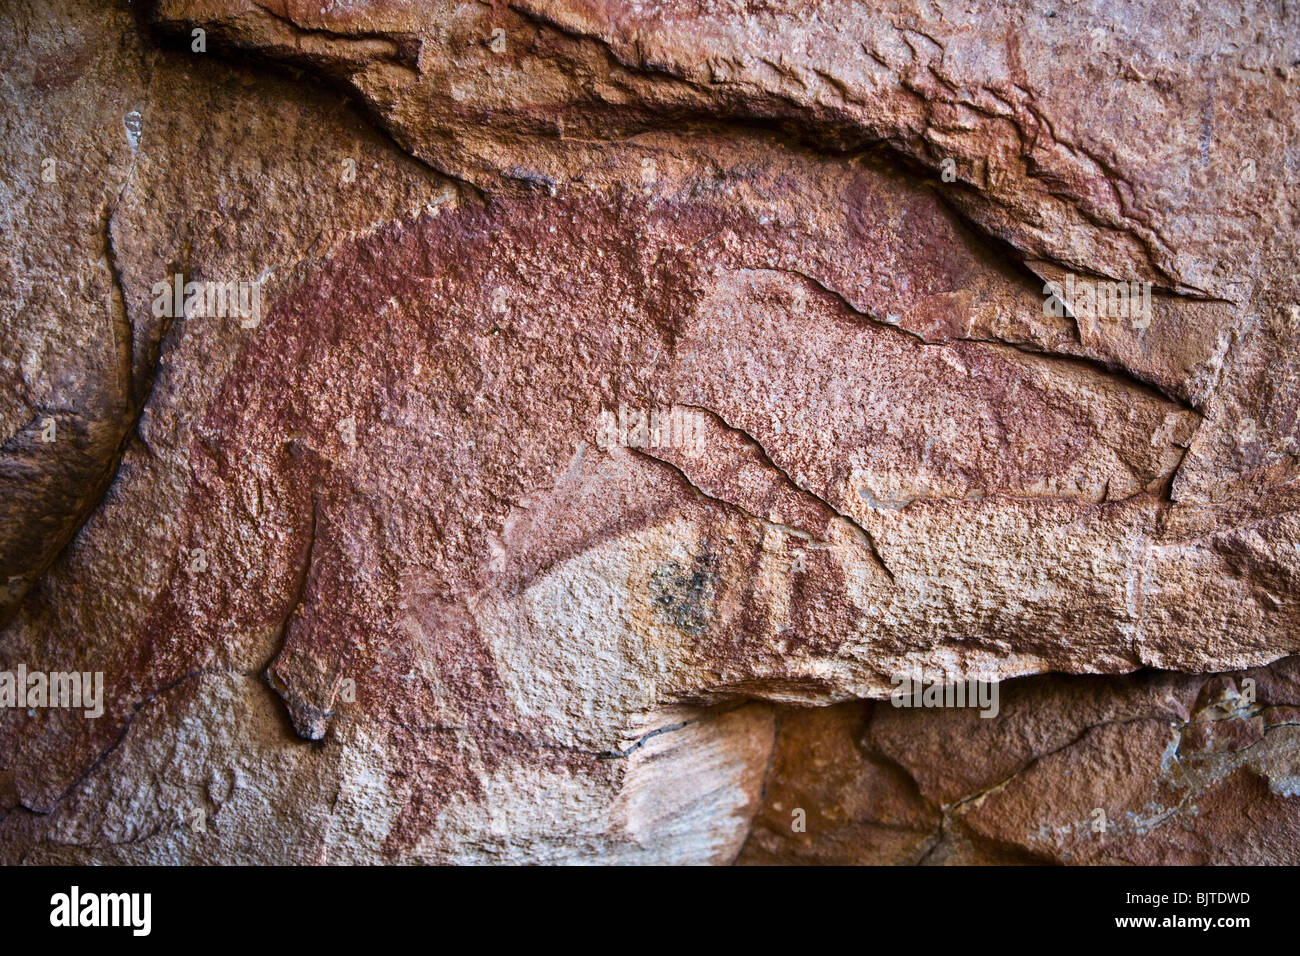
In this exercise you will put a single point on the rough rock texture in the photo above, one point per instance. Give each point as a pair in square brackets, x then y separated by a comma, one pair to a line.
[1154, 769]
[392, 575]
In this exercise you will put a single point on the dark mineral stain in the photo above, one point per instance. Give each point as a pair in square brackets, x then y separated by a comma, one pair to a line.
[685, 595]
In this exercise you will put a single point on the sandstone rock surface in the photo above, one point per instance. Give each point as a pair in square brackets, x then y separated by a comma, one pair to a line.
[636, 391]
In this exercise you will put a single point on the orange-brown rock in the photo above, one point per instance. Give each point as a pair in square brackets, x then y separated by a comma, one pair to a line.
[636, 391]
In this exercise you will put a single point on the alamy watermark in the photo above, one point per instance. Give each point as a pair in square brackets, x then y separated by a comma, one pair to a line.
[1088, 299]
[76, 909]
[912, 691]
[216, 300]
[674, 427]
[27, 690]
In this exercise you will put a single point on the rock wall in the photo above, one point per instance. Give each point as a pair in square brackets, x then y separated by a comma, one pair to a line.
[591, 411]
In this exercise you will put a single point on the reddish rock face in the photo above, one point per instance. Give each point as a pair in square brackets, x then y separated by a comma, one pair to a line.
[1152, 769]
[578, 506]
